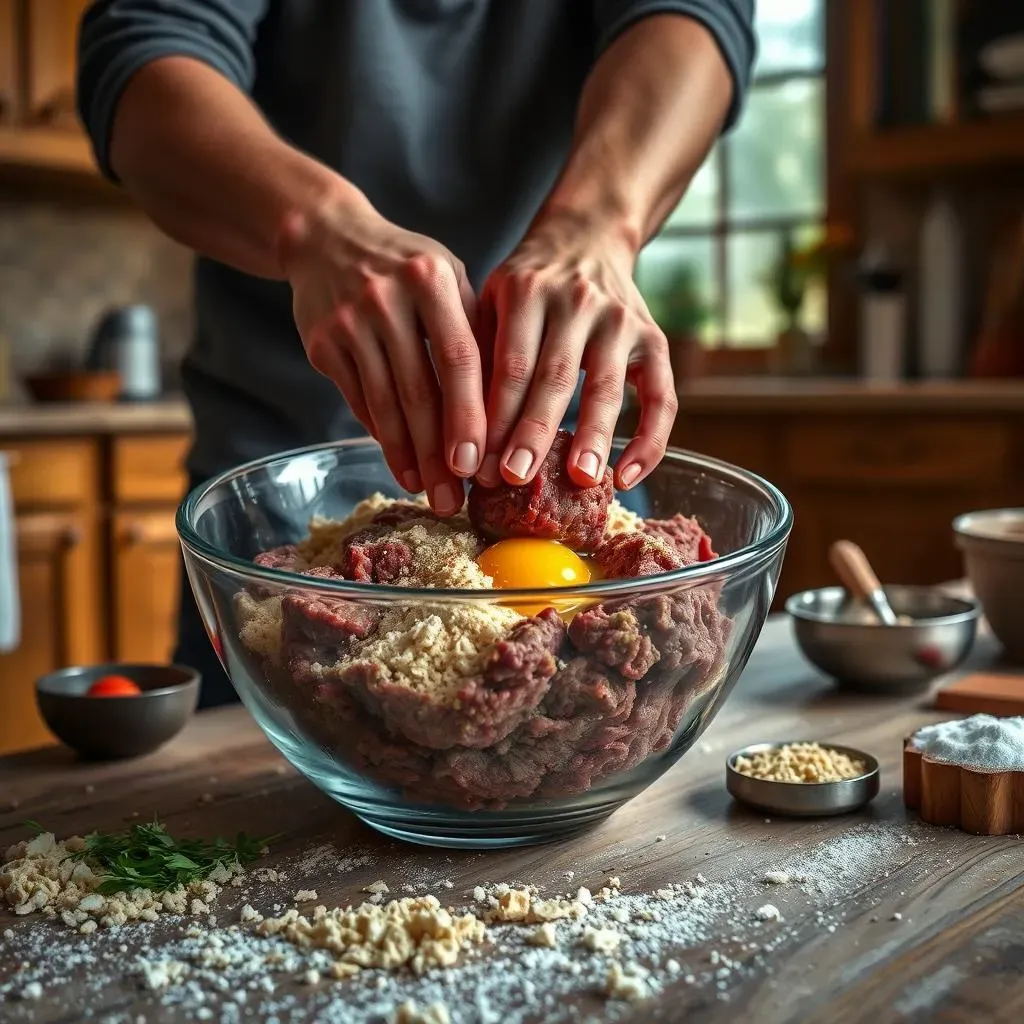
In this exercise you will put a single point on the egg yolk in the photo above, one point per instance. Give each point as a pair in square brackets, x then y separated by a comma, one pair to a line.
[527, 563]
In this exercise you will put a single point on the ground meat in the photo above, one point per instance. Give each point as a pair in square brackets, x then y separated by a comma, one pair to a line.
[672, 631]
[591, 724]
[286, 557]
[476, 707]
[369, 559]
[685, 535]
[318, 628]
[629, 555]
[551, 506]
[513, 678]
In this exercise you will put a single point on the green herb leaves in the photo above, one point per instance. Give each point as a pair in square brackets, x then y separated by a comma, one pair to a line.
[147, 857]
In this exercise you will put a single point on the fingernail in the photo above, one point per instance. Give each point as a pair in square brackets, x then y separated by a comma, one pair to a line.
[489, 473]
[519, 462]
[466, 458]
[589, 465]
[446, 499]
[410, 480]
[629, 475]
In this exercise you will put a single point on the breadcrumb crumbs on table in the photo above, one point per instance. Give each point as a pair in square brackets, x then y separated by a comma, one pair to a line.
[305, 895]
[413, 931]
[801, 762]
[601, 940]
[627, 982]
[544, 936]
[410, 1013]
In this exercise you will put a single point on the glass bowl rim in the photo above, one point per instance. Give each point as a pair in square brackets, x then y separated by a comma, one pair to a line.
[747, 557]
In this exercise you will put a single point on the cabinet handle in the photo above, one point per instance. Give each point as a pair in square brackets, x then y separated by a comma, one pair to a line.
[59, 110]
[136, 532]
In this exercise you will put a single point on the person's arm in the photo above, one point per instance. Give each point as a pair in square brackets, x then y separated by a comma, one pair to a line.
[163, 94]
[651, 109]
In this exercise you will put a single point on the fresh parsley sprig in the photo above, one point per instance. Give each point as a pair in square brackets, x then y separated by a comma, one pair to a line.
[146, 856]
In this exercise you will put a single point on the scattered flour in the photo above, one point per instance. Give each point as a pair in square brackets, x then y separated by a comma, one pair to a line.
[693, 932]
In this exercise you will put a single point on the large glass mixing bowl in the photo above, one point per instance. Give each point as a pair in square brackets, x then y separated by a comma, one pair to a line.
[526, 753]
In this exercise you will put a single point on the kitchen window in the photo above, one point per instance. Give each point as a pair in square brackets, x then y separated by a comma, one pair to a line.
[763, 180]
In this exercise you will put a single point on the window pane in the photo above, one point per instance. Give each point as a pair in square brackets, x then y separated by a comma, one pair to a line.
[776, 159]
[790, 36]
[671, 269]
[700, 204]
[754, 316]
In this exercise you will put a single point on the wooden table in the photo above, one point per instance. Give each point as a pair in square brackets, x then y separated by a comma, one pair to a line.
[957, 954]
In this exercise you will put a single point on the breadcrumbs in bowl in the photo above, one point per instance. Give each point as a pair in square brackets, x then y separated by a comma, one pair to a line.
[801, 762]
[448, 706]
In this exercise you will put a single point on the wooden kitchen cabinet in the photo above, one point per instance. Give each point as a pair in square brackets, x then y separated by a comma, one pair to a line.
[61, 619]
[51, 34]
[39, 125]
[10, 64]
[98, 561]
[146, 560]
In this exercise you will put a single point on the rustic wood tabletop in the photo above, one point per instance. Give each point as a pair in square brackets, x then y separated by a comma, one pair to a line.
[896, 921]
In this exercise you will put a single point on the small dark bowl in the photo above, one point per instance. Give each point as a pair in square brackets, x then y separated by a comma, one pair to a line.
[103, 728]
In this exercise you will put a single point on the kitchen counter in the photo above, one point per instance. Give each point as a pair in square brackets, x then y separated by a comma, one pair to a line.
[170, 415]
[708, 395]
[897, 921]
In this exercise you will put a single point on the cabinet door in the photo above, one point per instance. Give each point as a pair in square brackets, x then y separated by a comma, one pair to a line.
[51, 40]
[147, 567]
[60, 625]
[9, 65]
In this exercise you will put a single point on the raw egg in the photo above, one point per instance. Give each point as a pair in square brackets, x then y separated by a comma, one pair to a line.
[527, 563]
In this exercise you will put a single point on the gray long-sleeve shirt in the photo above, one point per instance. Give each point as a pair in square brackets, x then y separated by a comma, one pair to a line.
[452, 116]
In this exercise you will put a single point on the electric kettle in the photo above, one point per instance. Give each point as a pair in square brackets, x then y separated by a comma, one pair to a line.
[127, 340]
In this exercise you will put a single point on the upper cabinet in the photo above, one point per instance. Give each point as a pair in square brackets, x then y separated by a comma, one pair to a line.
[38, 123]
[9, 64]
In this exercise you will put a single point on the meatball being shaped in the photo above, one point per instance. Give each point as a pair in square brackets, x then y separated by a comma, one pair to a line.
[551, 506]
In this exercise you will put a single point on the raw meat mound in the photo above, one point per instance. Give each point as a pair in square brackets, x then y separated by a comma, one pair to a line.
[551, 506]
[478, 705]
[629, 555]
[685, 535]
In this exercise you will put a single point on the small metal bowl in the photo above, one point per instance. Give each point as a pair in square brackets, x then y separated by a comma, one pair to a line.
[802, 799]
[101, 728]
[845, 640]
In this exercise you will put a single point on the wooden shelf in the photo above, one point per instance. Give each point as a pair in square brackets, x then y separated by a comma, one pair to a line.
[929, 150]
[55, 149]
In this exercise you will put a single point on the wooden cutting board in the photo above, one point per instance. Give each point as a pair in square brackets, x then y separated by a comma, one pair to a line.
[984, 693]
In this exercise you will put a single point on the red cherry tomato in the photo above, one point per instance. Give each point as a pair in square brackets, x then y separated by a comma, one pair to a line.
[113, 686]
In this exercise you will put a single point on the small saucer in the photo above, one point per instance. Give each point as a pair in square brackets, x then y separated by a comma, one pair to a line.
[802, 799]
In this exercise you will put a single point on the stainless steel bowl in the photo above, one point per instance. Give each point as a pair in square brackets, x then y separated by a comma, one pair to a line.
[802, 799]
[845, 641]
[101, 728]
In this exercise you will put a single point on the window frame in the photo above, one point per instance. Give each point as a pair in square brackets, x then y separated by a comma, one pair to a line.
[724, 357]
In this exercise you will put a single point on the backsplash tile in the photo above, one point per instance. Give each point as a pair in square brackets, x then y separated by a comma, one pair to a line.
[62, 266]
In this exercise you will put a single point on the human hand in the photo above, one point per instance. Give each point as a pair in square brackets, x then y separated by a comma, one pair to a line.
[366, 295]
[565, 300]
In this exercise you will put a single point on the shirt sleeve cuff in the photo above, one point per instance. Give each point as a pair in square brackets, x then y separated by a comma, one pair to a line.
[730, 28]
[101, 106]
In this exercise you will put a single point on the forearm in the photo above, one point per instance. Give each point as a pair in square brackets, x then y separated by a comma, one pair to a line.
[650, 112]
[196, 154]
